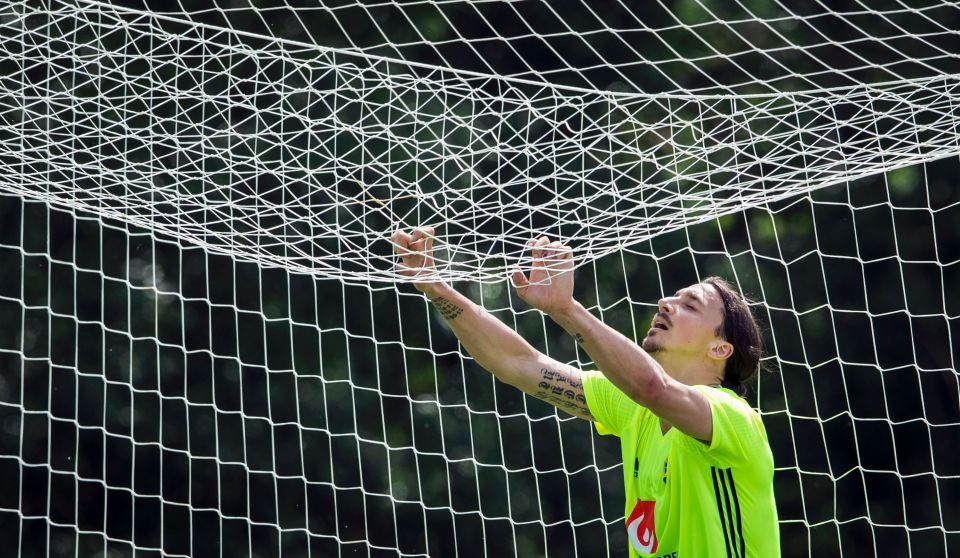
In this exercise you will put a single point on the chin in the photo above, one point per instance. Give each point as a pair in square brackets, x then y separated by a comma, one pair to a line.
[650, 345]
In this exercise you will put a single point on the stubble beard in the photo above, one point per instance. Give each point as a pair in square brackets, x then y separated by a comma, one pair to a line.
[650, 345]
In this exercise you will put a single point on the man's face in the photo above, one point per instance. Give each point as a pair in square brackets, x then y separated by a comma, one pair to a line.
[686, 322]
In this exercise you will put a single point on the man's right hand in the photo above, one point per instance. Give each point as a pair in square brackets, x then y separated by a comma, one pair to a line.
[416, 257]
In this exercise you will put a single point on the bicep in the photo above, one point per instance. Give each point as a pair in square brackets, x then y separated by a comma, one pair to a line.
[685, 408]
[556, 383]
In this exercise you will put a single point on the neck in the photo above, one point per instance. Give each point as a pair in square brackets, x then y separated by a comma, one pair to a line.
[692, 371]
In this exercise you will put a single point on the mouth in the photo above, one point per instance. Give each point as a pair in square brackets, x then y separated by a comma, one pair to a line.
[659, 323]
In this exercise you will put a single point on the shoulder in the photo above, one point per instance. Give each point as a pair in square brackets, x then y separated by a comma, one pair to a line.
[726, 398]
[612, 409]
[739, 436]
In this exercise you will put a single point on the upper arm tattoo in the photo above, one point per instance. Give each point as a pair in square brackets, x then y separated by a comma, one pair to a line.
[563, 390]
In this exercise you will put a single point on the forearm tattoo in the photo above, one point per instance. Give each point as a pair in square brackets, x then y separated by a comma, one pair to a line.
[579, 338]
[563, 391]
[447, 309]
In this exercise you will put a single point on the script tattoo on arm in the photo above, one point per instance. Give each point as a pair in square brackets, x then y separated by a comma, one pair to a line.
[447, 309]
[579, 338]
[563, 390]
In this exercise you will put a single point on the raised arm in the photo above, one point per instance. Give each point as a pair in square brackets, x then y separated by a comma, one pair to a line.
[494, 346]
[637, 374]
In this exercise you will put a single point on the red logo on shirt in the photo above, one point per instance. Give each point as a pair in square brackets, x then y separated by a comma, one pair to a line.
[641, 528]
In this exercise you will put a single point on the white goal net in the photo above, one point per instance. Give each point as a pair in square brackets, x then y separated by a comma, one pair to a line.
[205, 348]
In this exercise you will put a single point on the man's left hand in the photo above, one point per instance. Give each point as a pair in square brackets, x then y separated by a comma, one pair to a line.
[549, 288]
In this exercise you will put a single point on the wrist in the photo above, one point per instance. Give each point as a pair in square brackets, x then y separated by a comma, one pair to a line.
[565, 312]
[433, 291]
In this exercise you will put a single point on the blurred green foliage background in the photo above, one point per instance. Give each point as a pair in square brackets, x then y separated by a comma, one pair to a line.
[159, 399]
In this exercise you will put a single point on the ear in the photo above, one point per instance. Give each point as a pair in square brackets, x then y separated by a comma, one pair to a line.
[720, 350]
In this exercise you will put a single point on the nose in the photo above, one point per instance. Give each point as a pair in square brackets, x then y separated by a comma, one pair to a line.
[664, 305]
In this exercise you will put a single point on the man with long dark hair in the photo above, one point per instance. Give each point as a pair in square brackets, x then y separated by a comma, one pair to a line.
[698, 470]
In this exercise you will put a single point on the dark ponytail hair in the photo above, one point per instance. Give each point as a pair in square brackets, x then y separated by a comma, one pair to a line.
[740, 329]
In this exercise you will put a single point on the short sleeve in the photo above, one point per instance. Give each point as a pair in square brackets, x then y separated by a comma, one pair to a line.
[612, 410]
[739, 438]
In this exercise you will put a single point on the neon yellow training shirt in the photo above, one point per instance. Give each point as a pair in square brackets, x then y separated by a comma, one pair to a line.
[685, 499]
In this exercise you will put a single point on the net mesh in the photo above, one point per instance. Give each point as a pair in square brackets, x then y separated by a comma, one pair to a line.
[205, 349]
[288, 153]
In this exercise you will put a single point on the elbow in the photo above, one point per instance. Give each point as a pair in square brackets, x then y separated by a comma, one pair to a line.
[650, 389]
[508, 367]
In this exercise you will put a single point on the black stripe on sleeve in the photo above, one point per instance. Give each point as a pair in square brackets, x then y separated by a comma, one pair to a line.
[736, 506]
[723, 525]
[726, 499]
